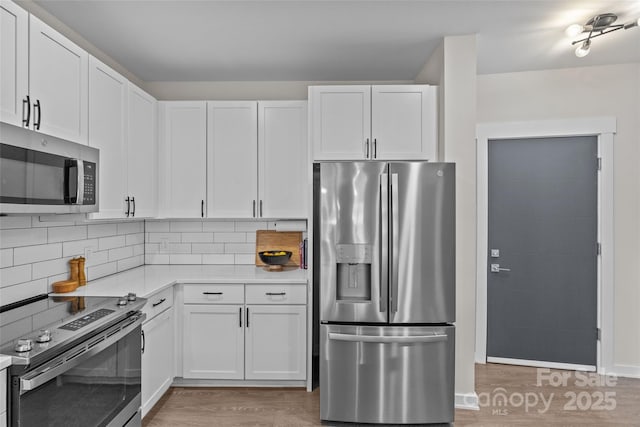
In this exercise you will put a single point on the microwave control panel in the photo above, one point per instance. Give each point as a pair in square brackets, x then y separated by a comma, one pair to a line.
[89, 183]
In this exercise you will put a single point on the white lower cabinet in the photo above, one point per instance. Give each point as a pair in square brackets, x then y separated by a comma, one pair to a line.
[226, 337]
[158, 349]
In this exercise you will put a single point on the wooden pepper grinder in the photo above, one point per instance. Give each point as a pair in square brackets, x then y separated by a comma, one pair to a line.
[82, 277]
[73, 269]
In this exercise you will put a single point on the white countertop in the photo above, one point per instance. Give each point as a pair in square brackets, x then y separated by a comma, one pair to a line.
[5, 361]
[146, 280]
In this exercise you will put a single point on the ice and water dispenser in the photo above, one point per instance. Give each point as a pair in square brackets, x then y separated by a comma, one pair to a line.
[354, 272]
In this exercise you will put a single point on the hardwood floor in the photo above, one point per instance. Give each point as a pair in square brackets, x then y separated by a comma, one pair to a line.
[509, 396]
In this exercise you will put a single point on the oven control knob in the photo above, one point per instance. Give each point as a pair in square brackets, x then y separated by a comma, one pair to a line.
[131, 296]
[122, 301]
[44, 336]
[23, 345]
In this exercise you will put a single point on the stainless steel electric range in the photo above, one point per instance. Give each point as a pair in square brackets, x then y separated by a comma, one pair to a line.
[76, 361]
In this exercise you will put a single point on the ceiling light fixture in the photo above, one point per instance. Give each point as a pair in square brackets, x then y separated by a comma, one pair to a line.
[596, 27]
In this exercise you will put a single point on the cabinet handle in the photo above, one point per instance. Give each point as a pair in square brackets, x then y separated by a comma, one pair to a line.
[26, 103]
[276, 294]
[133, 204]
[144, 342]
[375, 148]
[36, 122]
[159, 302]
[128, 200]
[240, 317]
[366, 144]
[260, 208]
[247, 317]
[202, 208]
[254, 208]
[212, 293]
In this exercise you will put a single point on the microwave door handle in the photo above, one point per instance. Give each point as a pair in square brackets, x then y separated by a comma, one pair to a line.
[393, 232]
[80, 185]
[77, 197]
[384, 241]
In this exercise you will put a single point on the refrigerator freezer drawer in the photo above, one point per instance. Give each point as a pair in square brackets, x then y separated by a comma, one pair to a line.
[387, 374]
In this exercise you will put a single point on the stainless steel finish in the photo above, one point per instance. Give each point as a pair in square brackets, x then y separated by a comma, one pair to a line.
[78, 354]
[495, 268]
[424, 202]
[384, 239]
[23, 345]
[44, 336]
[495, 253]
[32, 140]
[387, 339]
[394, 247]
[392, 375]
[132, 408]
[350, 242]
[80, 181]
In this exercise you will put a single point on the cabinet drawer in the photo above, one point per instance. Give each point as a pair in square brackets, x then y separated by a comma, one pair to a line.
[276, 294]
[214, 294]
[158, 302]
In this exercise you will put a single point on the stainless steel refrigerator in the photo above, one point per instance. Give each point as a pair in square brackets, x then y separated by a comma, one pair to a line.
[387, 291]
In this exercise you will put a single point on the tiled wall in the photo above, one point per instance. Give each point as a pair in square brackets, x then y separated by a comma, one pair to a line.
[203, 241]
[34, 254]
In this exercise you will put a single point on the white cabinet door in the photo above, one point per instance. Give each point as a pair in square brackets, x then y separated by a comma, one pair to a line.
[142, 153]
[58, 74]
[340, 122]
[232, 151]
[403, 122]
[157, 359]
[276, 342]
[213, 342]
[107, 121]
[183, 159]
[14, 65]
[282, 159]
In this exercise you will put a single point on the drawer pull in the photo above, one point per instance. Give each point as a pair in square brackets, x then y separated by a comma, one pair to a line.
[276, 294]
[159, 302]
[212, 293]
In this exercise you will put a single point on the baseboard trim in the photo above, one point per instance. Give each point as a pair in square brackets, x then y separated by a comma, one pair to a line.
[467, 401]
[541, 364]
[626, 371]
[188, 382]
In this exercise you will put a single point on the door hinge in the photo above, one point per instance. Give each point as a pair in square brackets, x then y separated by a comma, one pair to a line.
[598, 248]
[599, 164]
[598, 334]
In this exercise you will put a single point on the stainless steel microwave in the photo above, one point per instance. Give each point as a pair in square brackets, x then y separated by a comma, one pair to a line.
[44, 174]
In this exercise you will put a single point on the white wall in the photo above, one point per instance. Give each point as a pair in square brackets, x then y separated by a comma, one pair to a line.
[587, 92]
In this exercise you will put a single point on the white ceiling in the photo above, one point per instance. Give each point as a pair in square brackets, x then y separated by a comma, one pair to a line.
[310, 40]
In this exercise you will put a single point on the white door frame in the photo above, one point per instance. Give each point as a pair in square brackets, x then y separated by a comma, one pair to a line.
[602, 127]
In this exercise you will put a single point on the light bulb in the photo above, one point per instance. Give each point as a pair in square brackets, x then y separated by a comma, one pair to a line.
[583, 49]
[574, 30]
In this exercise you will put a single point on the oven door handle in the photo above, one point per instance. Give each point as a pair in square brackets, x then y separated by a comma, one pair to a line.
[79, 353]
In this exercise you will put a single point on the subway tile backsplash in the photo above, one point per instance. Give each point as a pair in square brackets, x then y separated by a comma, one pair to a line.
[35, 254]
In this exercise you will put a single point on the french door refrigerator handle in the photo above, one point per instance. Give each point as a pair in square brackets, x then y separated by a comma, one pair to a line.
[393, 234]
[387, 339]
[384, 241]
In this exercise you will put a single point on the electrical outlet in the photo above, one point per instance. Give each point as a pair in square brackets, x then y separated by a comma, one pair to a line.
[164, 244]
[88, 251]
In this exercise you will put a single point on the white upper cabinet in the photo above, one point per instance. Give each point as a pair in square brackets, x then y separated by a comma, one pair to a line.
[340, 122]
[58, 74]
[256, 159]
[382, 122]
[142, 153]
[282, 157]
[14, 63]
[107, 124]
[232, 151]
[183, 159]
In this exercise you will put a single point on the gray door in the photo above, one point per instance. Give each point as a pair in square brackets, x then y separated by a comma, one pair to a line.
[422, 249]
[543, 222]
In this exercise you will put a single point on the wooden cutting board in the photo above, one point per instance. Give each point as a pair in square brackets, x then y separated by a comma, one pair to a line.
[268, 240]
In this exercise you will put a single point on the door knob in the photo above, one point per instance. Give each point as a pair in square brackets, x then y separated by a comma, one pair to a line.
[495, 268]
